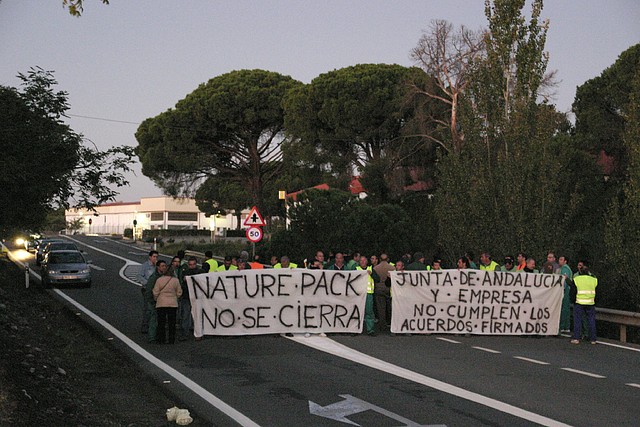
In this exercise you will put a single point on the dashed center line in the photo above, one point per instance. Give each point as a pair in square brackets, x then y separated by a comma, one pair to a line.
[633, 385]
[449, 340]
[488, 350]
[589, 374]
[526, 359]
[95, 267]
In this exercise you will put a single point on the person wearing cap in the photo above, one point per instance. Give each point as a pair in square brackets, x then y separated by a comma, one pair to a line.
[418, 263]
[584, 306]
[508, 265]
[226, 265]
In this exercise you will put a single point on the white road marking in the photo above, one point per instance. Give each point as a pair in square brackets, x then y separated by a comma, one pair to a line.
[448, 340]
[610, 344]
[210, 398]
[526, 359]
[488, 350]
[327, 345]
[633, 385]
[231, 412]
[589, 374]
[95, 267]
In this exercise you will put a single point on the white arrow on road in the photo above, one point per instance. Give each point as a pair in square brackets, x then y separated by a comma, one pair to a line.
[339, 411]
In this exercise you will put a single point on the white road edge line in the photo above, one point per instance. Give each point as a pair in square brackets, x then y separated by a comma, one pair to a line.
[633, 385]
[526, 359]
[210, 398]
[327, 345]
[95, 267]
[448, 340]
[488, 350]
[589, 374]
[618, 346]
[192, 385]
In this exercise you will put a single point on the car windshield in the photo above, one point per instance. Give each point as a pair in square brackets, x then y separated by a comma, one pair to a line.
[66, 258]
[62, 246]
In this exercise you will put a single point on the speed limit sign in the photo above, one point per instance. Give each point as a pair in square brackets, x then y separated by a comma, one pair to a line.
[254, 234]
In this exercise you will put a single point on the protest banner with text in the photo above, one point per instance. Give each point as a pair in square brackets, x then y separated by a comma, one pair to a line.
[252, 302]
[476, 302]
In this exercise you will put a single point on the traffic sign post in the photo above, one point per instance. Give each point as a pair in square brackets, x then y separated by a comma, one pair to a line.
[254, 234]
[254, 219]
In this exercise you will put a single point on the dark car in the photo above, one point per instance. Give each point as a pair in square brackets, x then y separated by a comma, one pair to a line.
[58, 246]
[65, 267]
[43, 243]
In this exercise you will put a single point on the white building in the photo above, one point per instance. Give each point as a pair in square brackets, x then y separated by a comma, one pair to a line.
[150, 213]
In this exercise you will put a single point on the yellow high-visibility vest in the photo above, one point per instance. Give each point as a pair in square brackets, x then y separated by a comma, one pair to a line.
[586, 286]
[371, 286]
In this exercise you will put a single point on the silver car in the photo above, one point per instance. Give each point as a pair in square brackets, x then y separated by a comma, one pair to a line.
[65, 267]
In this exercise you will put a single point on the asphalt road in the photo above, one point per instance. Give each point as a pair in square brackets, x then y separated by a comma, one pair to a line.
[361, 380]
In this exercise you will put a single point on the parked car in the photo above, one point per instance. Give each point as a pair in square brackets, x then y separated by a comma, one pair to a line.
[59, 246]
[43, 243]
[65, 267]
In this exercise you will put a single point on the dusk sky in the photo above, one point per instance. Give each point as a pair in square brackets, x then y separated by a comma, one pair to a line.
[131, 60]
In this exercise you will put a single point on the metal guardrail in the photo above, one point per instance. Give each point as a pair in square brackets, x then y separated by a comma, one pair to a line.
[199, 256]
[619, 317]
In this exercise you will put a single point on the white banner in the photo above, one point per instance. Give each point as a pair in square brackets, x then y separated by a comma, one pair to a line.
[476, 302]
[252, 302]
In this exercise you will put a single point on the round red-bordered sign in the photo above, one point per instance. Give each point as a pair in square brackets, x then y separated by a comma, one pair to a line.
[254, 234]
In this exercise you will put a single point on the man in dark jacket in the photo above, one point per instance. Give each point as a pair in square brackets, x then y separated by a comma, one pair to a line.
[184, 305]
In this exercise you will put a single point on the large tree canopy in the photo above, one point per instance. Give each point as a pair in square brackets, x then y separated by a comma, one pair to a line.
[44, 163]
[601, 108]
[357, 113]
[232, 125]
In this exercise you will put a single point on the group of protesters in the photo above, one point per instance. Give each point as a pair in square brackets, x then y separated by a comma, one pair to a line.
[166, 294]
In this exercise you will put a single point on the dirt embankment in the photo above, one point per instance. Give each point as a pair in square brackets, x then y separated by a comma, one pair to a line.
[56, 371]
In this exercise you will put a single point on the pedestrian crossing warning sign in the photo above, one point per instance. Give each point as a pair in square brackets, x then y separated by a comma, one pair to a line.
[254, 219]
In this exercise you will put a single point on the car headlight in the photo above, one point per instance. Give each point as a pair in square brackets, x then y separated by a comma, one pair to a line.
[19, 241]
[85, 271]
[52, 272]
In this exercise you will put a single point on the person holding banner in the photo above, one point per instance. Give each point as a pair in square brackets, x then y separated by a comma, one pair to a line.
[508, 265]
[418, 263]
[531, 266]
[463, 263]
[369, 315]
[226, 265]
[184, 304]
[565, 313]
[486, 263]
[285, 262]
[338, 263]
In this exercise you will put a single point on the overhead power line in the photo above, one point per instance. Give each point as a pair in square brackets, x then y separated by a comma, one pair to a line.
[103, 119]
